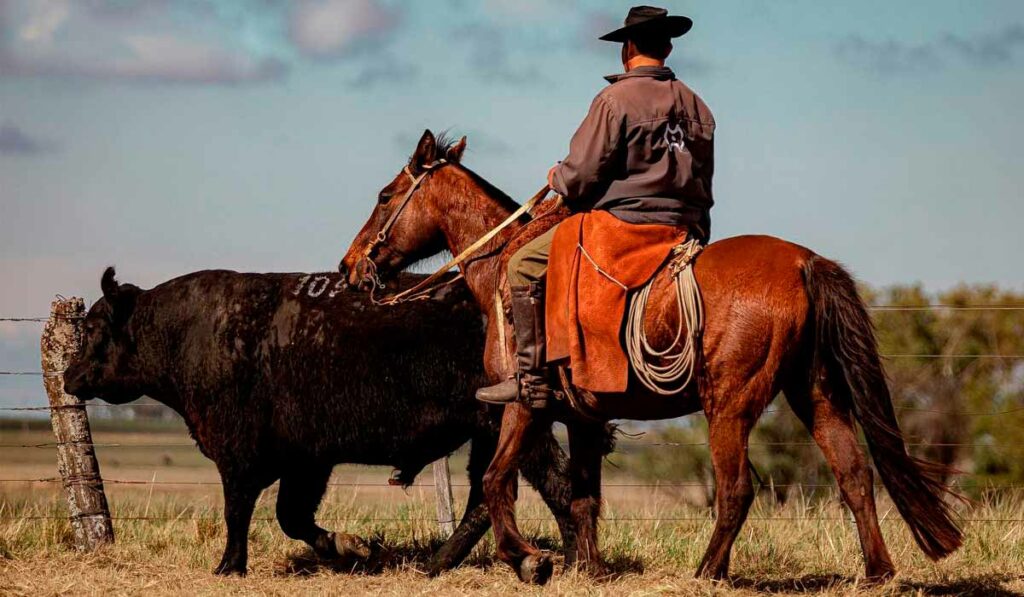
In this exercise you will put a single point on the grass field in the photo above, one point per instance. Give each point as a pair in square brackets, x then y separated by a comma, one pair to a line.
[650, 536]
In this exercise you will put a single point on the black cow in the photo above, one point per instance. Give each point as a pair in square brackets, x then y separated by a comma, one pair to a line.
[282, 376]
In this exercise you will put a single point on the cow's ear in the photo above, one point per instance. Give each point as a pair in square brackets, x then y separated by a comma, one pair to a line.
[455, 151]
[120, 297]
[108, 283]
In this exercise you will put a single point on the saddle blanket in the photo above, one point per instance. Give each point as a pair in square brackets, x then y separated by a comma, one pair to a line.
[596, 260]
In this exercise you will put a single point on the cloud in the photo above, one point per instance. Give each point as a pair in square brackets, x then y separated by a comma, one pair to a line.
[388, 71]
[491, 60]
[478, 141]
[890, 56]
[326, 29]
[887, 57]
[535, 10]
[15, 141]
[148, 40]
[993, 49]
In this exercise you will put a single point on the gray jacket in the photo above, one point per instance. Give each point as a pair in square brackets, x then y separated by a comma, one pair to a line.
[645, 153]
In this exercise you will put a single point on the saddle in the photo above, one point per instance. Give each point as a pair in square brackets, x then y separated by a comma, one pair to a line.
[596, 263]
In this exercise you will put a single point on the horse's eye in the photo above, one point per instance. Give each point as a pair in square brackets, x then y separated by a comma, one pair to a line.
[384, 196]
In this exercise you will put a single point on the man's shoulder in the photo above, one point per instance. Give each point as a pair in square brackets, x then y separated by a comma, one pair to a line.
[692, 98]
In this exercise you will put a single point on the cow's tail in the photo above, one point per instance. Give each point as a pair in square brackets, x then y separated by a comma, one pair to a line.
[846, 350]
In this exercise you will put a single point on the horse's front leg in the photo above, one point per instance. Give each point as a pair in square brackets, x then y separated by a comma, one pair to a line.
[500, 490]
[586, 441]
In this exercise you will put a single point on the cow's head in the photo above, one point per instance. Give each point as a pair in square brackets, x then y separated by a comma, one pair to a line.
[105, 367]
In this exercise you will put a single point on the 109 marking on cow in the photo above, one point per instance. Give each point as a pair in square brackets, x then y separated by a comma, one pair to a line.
[317, 285]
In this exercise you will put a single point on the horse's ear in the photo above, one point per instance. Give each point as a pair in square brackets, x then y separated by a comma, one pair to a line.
[455, 151]
[108, 284]
[426, 149]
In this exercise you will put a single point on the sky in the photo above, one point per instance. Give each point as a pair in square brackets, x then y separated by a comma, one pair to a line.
[167, 136]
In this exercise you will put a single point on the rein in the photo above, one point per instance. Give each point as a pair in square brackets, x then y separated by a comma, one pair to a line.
[427, 286]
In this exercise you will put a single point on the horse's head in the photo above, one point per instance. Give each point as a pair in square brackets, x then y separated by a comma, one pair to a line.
[405, 225]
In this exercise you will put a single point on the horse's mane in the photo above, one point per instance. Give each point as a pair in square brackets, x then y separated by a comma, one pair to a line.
[445, 141]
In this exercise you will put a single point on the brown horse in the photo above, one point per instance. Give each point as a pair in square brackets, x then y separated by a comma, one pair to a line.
[778, 318]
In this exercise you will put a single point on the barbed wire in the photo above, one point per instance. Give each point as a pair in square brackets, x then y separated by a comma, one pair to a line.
[623, 519]
[384, 484]
[962, 413]
[627, 443]
[612, 519]
[940, 307]
[884, 356]
[879, 307]
[41, 319]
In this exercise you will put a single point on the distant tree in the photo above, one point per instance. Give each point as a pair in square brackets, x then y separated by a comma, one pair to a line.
[957, 388]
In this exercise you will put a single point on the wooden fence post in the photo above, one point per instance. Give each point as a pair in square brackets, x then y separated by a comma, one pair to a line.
[445, 502]
[76, 457]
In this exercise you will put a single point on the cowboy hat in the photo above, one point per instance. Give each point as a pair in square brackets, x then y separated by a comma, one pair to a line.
[647, 20]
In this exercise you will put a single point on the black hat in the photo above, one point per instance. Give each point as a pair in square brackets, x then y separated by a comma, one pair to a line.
[648, 20]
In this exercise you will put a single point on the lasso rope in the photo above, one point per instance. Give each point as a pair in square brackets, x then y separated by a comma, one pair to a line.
[670, 370]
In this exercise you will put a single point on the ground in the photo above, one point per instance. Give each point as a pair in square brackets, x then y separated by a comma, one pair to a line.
[169, 537]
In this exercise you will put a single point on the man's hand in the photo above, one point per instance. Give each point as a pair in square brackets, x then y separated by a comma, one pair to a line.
[551, 176]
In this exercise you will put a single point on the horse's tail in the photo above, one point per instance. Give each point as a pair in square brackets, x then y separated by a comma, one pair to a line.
[846, 350]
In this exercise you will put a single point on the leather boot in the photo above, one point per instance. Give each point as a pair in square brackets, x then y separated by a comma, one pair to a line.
[531, 383]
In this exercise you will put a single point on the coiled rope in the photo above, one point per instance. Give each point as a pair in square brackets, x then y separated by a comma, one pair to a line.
[670, 370]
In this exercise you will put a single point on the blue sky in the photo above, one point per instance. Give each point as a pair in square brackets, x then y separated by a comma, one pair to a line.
[167, 136]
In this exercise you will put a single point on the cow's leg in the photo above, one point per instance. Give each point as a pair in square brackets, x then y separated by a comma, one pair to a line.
[475, 521]
[544, 465]
[240, 493]
[833, 430]
[297, 502]
[518, 423]
[585, 442]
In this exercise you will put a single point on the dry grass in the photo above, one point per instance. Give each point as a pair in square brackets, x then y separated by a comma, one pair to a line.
[802, 547]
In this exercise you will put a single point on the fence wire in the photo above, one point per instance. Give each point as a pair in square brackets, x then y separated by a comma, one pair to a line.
[610, 519]
[626, 519]
[383, 484]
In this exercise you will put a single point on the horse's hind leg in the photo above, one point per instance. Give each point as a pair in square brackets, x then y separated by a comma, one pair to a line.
[728, 433]
[518, 425]
[833, 431]
[297, 501]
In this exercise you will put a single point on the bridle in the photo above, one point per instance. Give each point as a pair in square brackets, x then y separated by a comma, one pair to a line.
[425, 288]
[382, 234]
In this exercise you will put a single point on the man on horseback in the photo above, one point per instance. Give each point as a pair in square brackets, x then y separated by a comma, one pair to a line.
[644, 153]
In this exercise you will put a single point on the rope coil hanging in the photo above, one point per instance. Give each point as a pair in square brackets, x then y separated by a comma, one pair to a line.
[668, 371]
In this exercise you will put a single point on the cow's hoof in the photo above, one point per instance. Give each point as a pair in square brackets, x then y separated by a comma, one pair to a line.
[535, 569]
[225, 569]
[350, 546]
[596, 570]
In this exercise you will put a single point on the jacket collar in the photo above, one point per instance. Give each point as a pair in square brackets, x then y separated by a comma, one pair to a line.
[655, 72]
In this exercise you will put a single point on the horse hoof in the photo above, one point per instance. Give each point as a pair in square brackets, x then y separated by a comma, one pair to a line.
[536, 569]
[879, 577]
[350, 546]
